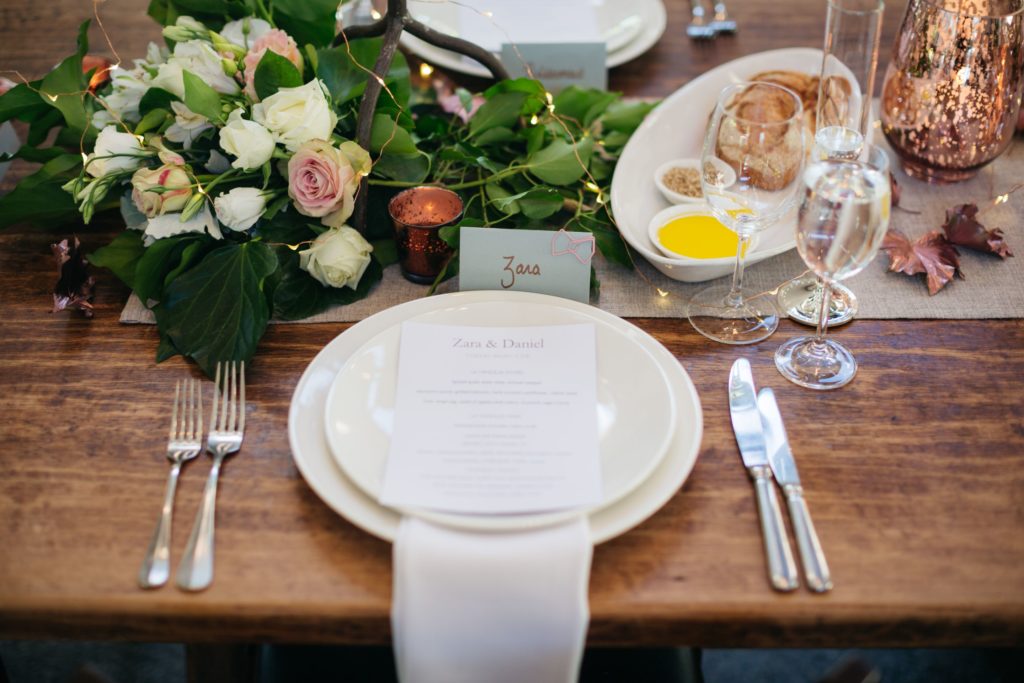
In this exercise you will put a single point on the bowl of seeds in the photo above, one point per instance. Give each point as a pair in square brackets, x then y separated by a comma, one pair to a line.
[678, 180]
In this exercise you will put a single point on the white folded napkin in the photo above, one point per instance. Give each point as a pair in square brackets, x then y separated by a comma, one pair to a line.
[496, 607]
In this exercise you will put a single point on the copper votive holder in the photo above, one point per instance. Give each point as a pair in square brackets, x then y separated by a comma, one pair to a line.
[418, 214]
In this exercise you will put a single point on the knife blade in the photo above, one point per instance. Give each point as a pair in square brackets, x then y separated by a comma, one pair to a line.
[780, 458]
[746, 425]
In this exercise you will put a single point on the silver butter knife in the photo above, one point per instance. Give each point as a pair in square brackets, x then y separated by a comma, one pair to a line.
[746, 424]
[780, 457]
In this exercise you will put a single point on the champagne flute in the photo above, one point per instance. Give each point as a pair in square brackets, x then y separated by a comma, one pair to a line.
[757, 129]
[841, 223]
[842, 123]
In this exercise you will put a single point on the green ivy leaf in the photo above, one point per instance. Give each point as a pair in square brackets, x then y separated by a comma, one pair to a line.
[120, 256]
[307, 21]
[558, 164]
[495, 136]
[40, 197]
[297, 295]
[583, 105]
[346, 80]
[386, 131]
[218, 309]
[626, 116]
[536, 94]
[65, 86]
[156, 98]
[161, 259]
[23, 102]
[273, 73]
[502, 199]
[501, 110]
[201, 98]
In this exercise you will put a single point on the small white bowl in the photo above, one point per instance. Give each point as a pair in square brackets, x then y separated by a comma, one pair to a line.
[663, 217]
[729, 176]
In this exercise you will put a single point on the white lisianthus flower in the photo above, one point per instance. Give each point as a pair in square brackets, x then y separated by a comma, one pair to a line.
[199, 58]
[245, 32]
[337, 258]
[187, 125]
[240, 208]
[297, 115]
[171, 224]
[115, 151]
[127, 89]
[251, 143]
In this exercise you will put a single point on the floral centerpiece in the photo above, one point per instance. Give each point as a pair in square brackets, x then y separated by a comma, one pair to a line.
[230, 155]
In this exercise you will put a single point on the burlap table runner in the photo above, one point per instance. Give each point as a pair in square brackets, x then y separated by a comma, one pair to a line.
[993, 288]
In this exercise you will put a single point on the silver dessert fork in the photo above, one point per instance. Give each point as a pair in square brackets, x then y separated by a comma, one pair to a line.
[700, 27]
[227, 425]
[184, 443]
[722, 23]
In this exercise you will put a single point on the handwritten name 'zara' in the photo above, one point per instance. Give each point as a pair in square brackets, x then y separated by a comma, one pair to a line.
[513, 269]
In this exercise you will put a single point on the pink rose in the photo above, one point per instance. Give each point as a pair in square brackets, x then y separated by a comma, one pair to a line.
[323, 179]
[274, 40]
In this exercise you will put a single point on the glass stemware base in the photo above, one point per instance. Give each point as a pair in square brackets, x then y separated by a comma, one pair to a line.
[800, 299]
[816, 363]
[744, 320]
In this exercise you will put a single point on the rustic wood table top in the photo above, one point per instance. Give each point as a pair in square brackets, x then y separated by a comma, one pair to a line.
[914, 472]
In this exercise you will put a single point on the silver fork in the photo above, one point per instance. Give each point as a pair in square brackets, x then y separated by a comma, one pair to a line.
[700, 28]
[722, 23]
[227, 424]
[183, 443]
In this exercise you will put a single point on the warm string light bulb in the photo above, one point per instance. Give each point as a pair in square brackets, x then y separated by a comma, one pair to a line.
[426, 70]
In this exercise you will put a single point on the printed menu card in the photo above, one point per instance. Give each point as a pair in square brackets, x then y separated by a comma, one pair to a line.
[495, 420]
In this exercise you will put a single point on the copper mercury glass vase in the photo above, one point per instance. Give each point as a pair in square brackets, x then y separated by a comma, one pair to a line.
[952, 90]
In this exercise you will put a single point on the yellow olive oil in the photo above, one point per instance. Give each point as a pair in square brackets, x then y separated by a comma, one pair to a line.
[698, 236]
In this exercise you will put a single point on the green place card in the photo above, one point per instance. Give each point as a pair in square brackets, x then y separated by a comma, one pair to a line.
[540, 261]
[559, 65]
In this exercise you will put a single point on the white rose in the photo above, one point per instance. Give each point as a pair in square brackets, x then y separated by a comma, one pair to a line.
[187, 125]
[240, 208]
[115, 151]
[199, 58]
[249, 141]
[297, 115]
[337, 258]
[170, 224]
[245, 31]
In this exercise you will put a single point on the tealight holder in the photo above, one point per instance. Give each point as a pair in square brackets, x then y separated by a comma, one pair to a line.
[418, 214]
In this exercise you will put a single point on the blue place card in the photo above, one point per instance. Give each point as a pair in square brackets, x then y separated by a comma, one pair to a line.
[540, 261]
[559, 65]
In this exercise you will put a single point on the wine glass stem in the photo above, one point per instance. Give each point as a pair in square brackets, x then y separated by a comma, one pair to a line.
[825, 304]
[735, 296]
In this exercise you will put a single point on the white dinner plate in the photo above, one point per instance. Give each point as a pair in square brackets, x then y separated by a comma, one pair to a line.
[676, 129]
[636, 411]
[307, 437]
[617, 21]
[640, 25]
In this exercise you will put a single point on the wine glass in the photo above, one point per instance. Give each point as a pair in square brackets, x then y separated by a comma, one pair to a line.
[841, 223]
[842, 122]
[757, 129]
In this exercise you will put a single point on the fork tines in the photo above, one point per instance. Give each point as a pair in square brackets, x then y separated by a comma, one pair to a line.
[229, 399]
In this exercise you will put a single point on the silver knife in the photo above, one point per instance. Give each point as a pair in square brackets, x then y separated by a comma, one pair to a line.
[746, 424]
[780, 457]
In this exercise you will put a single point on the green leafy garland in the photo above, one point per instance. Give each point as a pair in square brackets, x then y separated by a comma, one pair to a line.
[522, 159]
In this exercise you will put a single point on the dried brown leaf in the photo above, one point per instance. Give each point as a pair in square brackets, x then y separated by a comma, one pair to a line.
[75, 288]
[963, 229]
[931, 254]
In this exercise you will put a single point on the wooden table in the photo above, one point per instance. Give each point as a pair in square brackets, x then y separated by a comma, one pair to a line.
[914, 472]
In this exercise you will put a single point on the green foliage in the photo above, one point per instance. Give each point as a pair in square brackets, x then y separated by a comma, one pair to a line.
[298, 296]
[65, 88]
[208, 321]
[121, 256]
[307, 21]
[273, 73]
[40, 197]
[201, 98]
